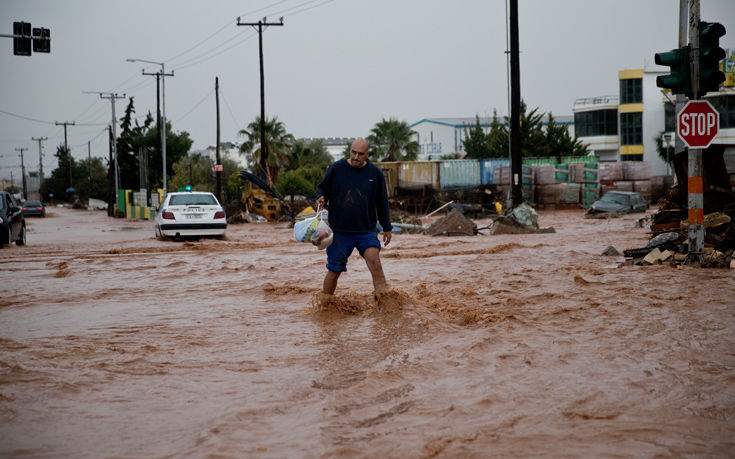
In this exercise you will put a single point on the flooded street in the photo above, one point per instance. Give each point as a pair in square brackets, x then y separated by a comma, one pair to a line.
[114, 344]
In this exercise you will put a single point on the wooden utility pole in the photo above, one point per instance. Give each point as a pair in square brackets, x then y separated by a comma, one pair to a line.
[516, 158]
[40, 159]
[66, 147]
[23, 171]
[263, 148]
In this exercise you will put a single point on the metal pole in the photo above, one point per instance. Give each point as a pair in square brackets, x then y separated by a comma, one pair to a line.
[695, 187]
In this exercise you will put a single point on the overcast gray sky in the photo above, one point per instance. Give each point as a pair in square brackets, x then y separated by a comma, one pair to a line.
[334, 69]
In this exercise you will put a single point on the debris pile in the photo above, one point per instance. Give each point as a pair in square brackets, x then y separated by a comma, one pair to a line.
[521, 220]
[454, 224]
[670, 241]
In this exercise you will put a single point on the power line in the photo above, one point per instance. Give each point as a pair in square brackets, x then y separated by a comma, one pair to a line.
[208, 54]
[195, 106]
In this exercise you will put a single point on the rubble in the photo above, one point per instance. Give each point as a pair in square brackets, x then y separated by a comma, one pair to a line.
[453, 224]
[670, 241]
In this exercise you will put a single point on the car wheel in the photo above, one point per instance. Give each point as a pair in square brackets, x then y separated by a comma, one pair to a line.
[22, 236]
[7, 239]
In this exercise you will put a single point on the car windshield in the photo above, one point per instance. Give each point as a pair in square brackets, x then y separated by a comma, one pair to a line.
[615, 198]
[33, 204]
[192, 200]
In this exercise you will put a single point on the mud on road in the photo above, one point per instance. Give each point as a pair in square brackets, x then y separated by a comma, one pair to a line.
[114, 344]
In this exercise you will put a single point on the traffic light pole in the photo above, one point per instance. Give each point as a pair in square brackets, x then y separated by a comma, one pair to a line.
[695, 188]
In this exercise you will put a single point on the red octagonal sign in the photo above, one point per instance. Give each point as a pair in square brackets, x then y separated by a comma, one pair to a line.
[698, 124]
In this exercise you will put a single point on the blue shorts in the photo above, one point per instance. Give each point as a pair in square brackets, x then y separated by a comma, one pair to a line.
[344, 243]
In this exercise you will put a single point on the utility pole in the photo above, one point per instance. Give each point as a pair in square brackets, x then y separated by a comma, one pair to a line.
[112, 97]
[163, 117]
[158, 76]
[218, 165]
[66, 146]
[516, 158]
[89, 160]
[263, 150]
[40, 156]
[23, 171]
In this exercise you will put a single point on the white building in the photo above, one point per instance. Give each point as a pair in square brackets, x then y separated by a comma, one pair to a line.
[439, 137]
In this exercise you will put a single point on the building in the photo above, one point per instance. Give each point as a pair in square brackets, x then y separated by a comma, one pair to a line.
[627, 126]
[442, 137]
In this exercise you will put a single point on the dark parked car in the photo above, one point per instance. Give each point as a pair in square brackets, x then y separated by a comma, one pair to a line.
[34, 209]
[620, 202]
[12, 221]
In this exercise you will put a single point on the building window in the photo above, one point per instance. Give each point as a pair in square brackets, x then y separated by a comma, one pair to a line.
[669, 117]
[631, 91]
[725, 105]
[631, 128]
[596, 122]
[631, 157]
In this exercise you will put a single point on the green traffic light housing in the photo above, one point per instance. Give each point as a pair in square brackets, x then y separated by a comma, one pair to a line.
[710, 55]
[679, 80]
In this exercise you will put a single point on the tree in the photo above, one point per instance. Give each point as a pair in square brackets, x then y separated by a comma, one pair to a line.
[91, 179]
[497, 138]
[308, 154]
[197, 171]
[560, 143]
[476, 141]
[277, 143]
[134, 138]
[392, 140]
[56, 186]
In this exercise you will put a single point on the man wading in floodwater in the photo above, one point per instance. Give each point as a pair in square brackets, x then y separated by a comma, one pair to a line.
[356, 193]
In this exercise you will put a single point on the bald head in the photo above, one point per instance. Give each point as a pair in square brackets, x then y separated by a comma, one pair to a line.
[359, 152]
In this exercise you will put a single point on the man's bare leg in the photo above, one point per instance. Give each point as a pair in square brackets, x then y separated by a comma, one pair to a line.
[372, 258]
[330, 282]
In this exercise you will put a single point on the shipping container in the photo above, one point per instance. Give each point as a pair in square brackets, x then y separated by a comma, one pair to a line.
[488, 170]
[390, 171]
[459, 173]
[418, 174]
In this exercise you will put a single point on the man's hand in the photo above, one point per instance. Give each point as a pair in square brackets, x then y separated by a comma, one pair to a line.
[320, 201]
[386, 237]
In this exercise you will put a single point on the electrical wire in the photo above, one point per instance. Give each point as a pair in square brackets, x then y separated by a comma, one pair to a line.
[227, 104]
[211, 56]
[195, 106]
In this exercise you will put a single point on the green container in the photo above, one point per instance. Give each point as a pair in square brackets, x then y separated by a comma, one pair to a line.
[539, 161]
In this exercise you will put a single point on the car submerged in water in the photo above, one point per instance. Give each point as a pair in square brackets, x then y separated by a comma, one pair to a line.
[621, 202]
[190, 213]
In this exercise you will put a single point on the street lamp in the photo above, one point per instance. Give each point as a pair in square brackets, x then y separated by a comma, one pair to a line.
[163, 115]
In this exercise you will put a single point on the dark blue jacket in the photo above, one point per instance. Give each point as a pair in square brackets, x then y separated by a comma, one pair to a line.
[355, 197]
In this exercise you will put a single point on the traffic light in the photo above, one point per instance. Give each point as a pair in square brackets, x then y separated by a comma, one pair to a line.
[710, 55]
[679, 80]
[41, 40]
[22, 46]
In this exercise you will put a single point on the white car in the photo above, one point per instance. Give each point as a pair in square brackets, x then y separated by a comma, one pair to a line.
[190, 213]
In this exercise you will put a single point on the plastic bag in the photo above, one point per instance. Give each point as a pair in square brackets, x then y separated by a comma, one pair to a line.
[323, 236]
[315, 230]
[305, 229]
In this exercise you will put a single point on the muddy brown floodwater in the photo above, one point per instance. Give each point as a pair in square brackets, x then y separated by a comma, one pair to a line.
[114, 344]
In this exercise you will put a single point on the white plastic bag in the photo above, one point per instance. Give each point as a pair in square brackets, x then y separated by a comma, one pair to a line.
[323, 236]
[305, 229]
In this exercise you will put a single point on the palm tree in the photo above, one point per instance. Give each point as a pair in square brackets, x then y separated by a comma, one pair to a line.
[277, 143]
[392, 140]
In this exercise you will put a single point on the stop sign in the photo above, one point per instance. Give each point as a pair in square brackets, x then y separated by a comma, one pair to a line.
[698, 124]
